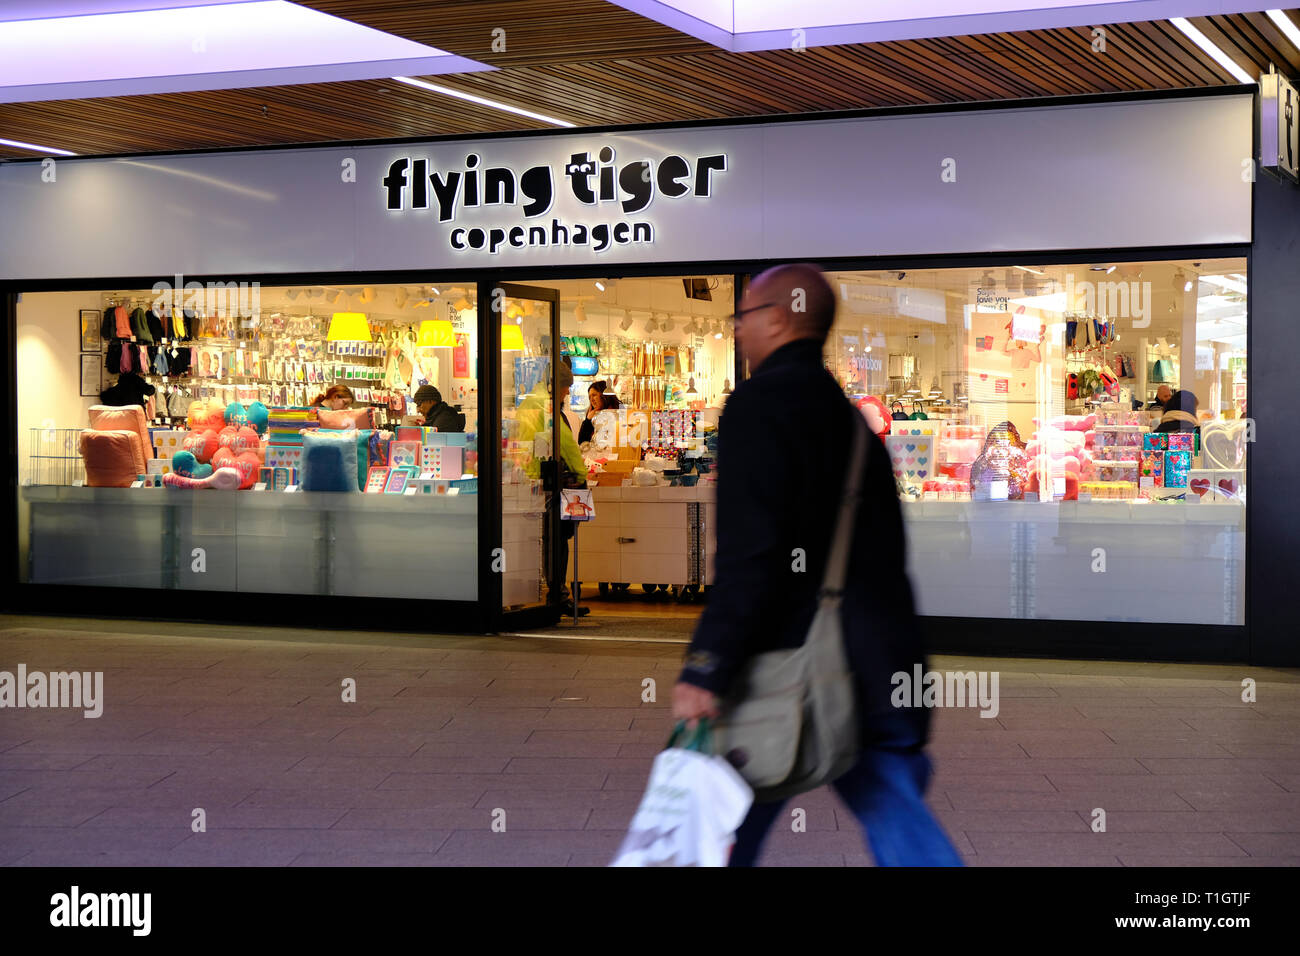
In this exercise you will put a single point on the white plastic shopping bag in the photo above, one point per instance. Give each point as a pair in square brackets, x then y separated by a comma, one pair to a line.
[688, 817]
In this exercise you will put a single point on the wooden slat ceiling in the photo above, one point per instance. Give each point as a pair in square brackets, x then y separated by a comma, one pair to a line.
[593, 63]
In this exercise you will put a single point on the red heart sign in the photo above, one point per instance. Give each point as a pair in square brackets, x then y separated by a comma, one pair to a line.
[1228, 485]
[1201, 486]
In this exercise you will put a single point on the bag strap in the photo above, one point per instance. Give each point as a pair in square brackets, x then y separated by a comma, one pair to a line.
[838, 563]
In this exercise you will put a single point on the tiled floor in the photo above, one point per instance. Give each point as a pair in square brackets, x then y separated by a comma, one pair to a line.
[449, 734]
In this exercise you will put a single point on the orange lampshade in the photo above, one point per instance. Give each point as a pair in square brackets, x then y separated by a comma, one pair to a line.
[512, 338]
[436, 334]
[349, 327]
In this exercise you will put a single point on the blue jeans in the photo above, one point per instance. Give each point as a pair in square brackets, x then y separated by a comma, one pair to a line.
[885, 791]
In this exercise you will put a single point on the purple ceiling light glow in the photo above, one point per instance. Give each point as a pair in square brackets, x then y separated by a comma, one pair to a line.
[182, 48]
[743, 25]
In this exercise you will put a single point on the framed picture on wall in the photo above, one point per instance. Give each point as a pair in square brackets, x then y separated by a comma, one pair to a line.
[89, 330]
[91, 369]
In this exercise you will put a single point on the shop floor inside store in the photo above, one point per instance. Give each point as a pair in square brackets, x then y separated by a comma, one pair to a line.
[448, 730]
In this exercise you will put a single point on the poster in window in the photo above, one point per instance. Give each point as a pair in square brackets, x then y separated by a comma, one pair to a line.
[460, 357]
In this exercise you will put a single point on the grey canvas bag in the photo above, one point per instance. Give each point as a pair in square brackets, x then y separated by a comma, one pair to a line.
[790, 723]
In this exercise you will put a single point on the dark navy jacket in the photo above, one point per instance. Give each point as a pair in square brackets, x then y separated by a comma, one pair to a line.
[783, 448]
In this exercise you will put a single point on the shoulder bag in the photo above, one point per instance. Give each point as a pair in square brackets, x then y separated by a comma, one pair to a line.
[790, 724]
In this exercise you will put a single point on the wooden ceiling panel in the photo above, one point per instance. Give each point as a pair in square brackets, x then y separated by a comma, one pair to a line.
[592, 63]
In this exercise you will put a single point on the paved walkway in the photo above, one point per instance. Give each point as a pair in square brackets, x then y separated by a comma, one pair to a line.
[448, 733]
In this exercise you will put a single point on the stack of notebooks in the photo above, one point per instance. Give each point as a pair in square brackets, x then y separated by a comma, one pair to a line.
[284, 435]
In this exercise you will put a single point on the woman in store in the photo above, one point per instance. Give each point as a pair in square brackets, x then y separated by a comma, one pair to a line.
[1180, 414]
[599, 398]
[335, 398]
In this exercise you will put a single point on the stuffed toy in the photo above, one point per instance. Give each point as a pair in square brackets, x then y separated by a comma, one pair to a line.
[187, 466]
[248, 465]
[223, 479]
[239, 439]
[236, 415]
[258, 417]
[206, 415]
[223, 457]
[202, 444]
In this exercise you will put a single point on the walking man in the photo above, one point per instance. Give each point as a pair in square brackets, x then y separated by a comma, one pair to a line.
[775, 523]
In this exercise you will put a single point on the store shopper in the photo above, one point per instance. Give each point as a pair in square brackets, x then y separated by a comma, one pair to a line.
[532, 416]
[336, 398]
[599, 398]
[1163, 394]
[763, 600]
[437, 413]
[1180, 414]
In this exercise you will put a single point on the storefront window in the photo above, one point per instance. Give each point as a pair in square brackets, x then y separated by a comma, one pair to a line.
[1068, 441]
[340, 422]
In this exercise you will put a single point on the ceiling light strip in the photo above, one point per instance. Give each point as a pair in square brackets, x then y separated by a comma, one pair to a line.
[36, 149]
[482, 101]
[1291, 31]
[1216, 54]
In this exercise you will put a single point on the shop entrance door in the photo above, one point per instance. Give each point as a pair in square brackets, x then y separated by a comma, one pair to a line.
[533, 549]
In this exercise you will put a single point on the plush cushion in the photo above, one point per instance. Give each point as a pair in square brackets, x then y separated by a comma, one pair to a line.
[329, 461]
[204, 415]
[223, 479]
[113, 458]
[345, 418]
[105, 418]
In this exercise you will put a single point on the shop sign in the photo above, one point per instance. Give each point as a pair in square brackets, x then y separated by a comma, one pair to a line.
[455, 195]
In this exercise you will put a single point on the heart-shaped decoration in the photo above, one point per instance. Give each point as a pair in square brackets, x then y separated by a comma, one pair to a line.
[911, 448]
[911, 459]
[920, 474]
[1224, 444]
[898, 473]
[1201, 486]
[1229, 486]
[921, 461]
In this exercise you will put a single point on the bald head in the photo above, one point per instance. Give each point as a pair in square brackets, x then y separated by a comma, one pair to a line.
[784, 304]
[802, 291]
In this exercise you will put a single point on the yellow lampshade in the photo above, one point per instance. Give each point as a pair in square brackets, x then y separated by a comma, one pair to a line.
[436, 334]
[349, 327]
[512, 338]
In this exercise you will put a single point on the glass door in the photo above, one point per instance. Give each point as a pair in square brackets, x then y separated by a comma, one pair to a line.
[532, 546]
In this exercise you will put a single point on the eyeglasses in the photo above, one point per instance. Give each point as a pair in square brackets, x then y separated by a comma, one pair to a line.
[741, 313]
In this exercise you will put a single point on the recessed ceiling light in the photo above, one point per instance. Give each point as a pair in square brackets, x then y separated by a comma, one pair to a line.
[482, 101]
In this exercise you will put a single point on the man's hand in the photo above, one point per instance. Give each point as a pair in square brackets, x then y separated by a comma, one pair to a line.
[690, 703]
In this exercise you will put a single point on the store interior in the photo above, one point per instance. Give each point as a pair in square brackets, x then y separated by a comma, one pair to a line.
[1025, 383]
